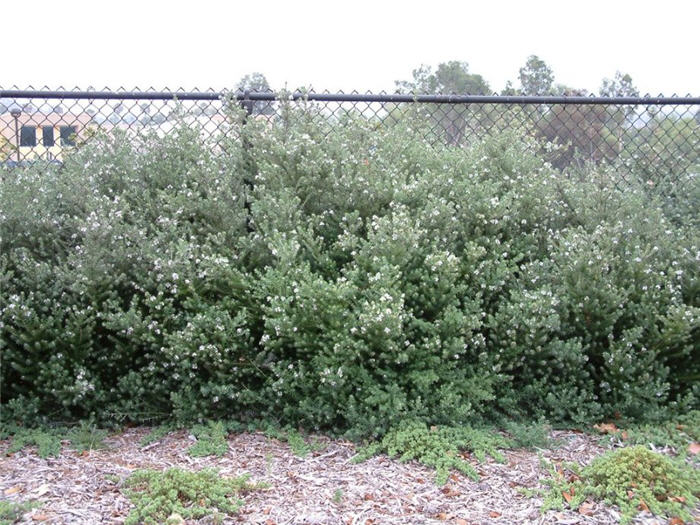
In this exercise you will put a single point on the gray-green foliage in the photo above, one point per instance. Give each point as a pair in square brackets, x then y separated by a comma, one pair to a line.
[383, 279]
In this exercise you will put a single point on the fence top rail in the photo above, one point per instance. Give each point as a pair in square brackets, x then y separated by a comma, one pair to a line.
[348, 97]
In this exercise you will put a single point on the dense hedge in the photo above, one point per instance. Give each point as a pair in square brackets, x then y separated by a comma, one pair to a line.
[378, 278]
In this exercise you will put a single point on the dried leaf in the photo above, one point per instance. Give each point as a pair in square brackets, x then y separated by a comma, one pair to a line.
[442, 516]
[676, 521]
[368, 497]
[42, 489]
[449, 492]
[460, 521]
[643, 506]
[270, 522]
[586, 509]
[606, 428]
[40, 517]
[624, 435]
[677, 499]
[494, 514]
[694, 448]
[568, 495]
[13, 490]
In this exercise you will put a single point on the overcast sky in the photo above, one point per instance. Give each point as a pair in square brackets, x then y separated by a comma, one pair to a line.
[363, 45]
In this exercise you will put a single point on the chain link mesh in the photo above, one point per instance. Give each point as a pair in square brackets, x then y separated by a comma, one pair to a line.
[658, 141]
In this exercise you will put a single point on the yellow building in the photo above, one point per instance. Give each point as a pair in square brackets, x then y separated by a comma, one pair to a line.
[45, 136]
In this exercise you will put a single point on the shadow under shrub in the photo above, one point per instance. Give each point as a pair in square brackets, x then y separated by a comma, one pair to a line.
[378, 278]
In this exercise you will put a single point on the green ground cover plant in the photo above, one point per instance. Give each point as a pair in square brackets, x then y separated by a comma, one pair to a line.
[156, 434]
[83, 437]
[297, 442]
[680, 433]
[158, 496]
[211, 440]
[47, 442]
[341, 276]
[632, 478]
[86, 436]
[11, 512]
[531, 435]
[438, 447]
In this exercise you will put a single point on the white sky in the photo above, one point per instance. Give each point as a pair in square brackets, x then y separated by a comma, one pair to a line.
[363, 45]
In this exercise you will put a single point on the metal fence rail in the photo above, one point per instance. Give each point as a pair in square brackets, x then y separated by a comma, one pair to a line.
[656, 138]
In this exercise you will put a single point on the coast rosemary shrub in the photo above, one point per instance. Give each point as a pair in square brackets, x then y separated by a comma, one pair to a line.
[342, 276]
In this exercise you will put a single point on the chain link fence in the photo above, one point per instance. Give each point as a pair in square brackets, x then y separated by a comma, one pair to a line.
[655, 138]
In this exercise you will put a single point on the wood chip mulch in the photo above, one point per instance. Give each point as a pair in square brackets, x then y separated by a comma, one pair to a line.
[324, 487]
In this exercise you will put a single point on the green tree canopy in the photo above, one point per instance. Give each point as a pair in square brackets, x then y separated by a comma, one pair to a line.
[257, 83]
[449, 78]
[536, 77]
[620, 86]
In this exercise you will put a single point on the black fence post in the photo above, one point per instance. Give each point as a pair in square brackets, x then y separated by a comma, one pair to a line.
[247, 105]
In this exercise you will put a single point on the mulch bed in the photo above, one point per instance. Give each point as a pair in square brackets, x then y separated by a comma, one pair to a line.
[324, 487]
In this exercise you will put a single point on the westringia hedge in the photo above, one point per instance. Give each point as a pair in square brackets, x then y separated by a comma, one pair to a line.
[342, 276]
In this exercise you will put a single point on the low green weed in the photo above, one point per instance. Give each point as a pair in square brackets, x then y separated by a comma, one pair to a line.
[529, 435]
[633, 478]
[48, 442]
[158, 496]
[156, 434]
[211, 440]
[438, 447]
[87, 436]
[300, 447]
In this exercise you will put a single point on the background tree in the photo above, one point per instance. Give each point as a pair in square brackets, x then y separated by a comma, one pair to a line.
[536, 77]
[620, 86]
[257, 83]
[620, 118]
[585, 132]
[449, 78]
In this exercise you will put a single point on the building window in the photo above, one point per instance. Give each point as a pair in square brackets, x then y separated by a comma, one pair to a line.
[27, 136]
[47, 136]
[68, 135]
